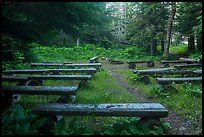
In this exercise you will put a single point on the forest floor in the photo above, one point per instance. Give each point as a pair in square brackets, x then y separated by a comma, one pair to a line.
[180, 126]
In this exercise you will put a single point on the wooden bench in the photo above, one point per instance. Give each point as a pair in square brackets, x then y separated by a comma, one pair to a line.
[37, 79]
[149, 113]
[132, 64]
[11, 94]
[158, 72]
[40, 90]
[93, 59]
[191, 60]
[66, 65]
[178, 80]
[121, 109]
[187, 66]
[165, 63]
[144, 73]
[58, 62]
[33, 71]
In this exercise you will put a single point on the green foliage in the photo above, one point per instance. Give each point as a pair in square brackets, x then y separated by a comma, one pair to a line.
[19, 121]
[197, 55]
[178, 49]
[85, 52]
[131, 127]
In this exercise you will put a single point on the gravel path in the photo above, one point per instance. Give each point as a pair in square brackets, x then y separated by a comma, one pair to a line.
[179, 126]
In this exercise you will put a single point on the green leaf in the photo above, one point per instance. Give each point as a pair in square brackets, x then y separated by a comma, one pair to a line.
[153, 132]
[141, 132]
[145, 129]
[167, 125]
[109, 132]
[38, 123]
[133, 129]
[125, 132]
[160, 130]
[61, 132]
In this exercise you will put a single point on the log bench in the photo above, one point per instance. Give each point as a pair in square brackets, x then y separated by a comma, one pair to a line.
[132, 64]
[149, 113]
[187, 66]
[93, 59]
[11, 94]
[178, 80]
[169, 71]
[164, 82]
[165, 63]
[38, 79]
[153, 110]
[67, 65]
[144, 73]
[47, 71]
[40, 90]
[191, 60]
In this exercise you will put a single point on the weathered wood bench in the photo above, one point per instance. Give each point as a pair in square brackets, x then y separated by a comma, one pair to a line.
[187, 66]
[40, 90]
[120, 109]
[38, 79]
[93, 59]
[58, 62]
[165, 63]
[33, 71]
[144, 73]
[178, 80]
[96, 65]
[149, 113]
[191, 60]
[164, 82]
[152, 71]
[132, 64]
[11, 94]
[158, 72]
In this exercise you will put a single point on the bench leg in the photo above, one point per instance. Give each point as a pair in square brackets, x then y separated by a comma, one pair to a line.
[132, 65]
[150, 64]
[49, 125]
[152, 123]
[83, 83]
[145, 79]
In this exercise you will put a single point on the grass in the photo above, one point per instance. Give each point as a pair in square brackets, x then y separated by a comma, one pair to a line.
[185, 99]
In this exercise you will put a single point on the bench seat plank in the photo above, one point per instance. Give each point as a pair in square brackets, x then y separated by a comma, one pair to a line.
[125, 109]
[67, 65]
[173, 61]
[40, 90]
[140, 61]
[65, 77]
[178, 80]
[30, 71]
[165, 72]
[187, 65]
[153, 70]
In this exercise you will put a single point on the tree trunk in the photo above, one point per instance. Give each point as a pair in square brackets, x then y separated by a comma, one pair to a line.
[191, 44]
[162, 45]
[169, 28]
[199, 42]
[153, 47]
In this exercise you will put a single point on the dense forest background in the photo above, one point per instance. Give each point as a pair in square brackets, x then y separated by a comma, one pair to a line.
[152, 26]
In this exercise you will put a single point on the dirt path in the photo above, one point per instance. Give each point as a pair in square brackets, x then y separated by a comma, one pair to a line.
[179, 126]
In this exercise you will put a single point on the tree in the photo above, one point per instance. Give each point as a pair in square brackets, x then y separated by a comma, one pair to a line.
[146, 24]
[169, 29]
[189, 18]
